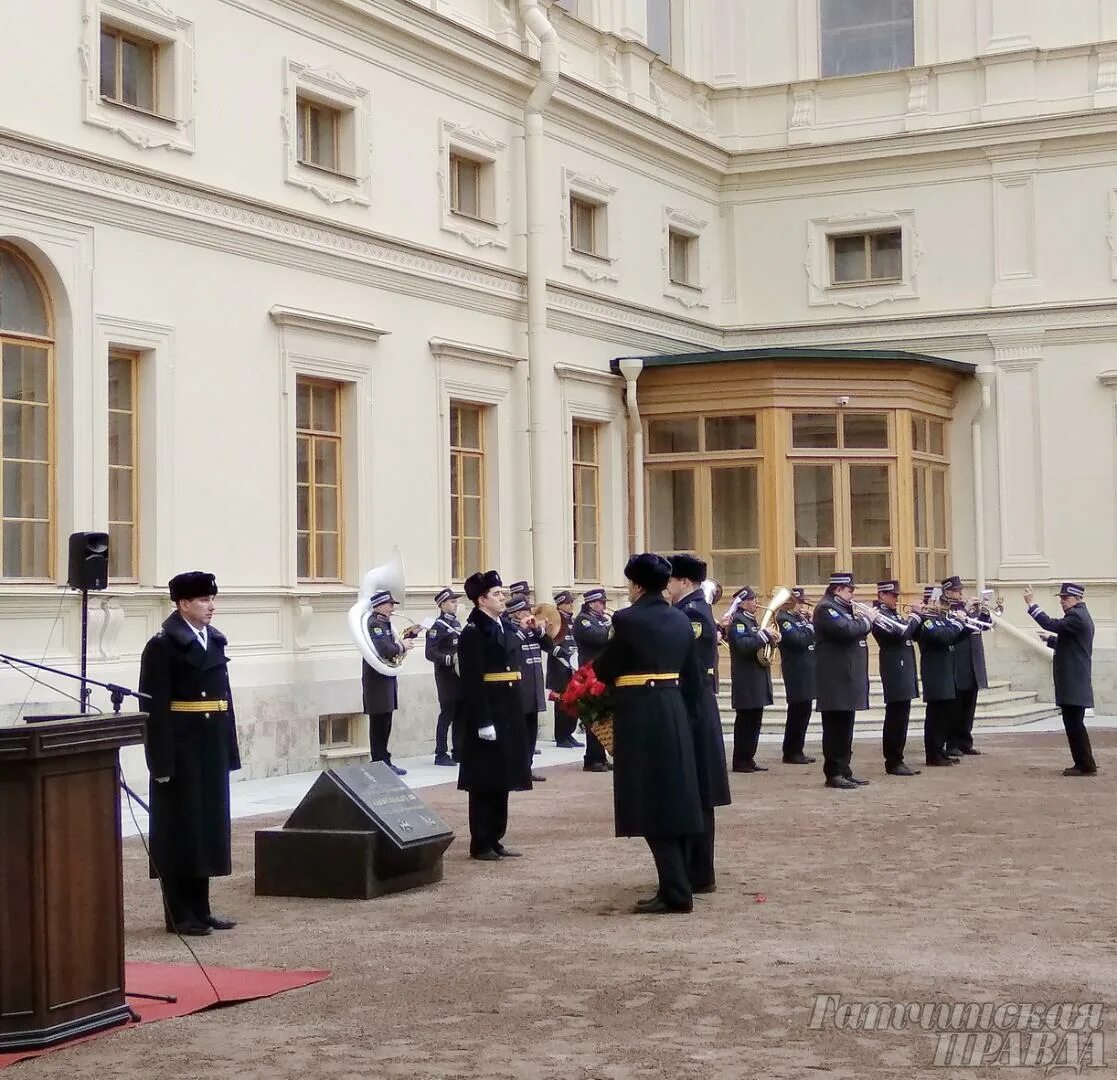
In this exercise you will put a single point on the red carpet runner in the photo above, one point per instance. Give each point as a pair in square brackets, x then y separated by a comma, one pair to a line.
[194, 993]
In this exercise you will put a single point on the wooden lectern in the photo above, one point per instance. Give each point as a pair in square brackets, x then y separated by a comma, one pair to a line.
[61, 894]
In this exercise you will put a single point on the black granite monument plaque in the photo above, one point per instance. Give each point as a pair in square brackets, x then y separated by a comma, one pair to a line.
[359, 832]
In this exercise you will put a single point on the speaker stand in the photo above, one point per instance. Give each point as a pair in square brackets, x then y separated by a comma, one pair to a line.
[86, 690]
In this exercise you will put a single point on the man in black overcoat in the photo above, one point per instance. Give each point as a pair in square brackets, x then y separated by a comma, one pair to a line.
[938, 635]
[842, 655]
[1073, 643]
[533, 695]
[442, 651]
[685, 590]
[752, 681]
[894, 635]
[379, 691]
[797, 665]
[652, 667]
[494, 740]
[591, 632]
[191, 747]
[560, 669]
[970, 675]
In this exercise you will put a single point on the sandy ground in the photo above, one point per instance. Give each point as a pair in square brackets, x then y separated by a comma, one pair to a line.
[992, 881]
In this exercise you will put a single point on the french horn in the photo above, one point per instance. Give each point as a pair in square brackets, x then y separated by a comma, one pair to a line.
[386, 578]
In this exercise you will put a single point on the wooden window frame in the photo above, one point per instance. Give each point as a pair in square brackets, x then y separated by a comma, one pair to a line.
[866, 238]
[122, 36]
[328, 724]
[688, 244]
[457, 456]
[313, 435]
[10, 337]
[579, 466]
[133, 360]
[304, 106]
[457, 160]
[597, 211]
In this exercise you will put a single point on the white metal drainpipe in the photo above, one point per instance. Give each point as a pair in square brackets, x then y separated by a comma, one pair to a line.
[630, 368]
[979, 485]
[535, 213]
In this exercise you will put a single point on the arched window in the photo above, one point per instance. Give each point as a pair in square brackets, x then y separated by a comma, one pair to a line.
[26, 421]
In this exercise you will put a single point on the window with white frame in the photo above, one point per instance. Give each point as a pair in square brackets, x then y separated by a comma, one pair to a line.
[473, 186]
[866, 258]
[470, 187]
[589, 228]
[587, 219]
[682, 257]
[326, 125]
[858, 37]
[138, 73]
[659, 28]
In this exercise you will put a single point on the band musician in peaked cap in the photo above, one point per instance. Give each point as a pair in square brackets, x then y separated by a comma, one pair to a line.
[894, 635]
[560, 669]
[652, 666]
[1073, 642]
[591, 632]
[685, 591]
[751, 680]
[494, 740]
[441, 650]
[191, 747]
[798, 666]
[938, 635]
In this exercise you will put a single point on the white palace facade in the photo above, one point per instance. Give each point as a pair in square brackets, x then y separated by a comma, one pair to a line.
[795, 284]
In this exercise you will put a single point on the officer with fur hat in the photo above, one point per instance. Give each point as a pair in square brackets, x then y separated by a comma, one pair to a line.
[752, 681]
[652, 667]
[191, 747]
[1073, 642]
[684, 589]
[494, 742]
[591, 633]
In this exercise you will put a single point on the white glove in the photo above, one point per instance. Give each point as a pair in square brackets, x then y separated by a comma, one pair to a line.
[488, 733]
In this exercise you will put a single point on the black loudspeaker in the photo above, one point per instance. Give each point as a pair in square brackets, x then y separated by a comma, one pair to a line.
[359, 832]
[89, 561]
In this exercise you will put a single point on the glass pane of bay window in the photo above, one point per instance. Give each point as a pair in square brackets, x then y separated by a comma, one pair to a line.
[938, 506]
[735, 568]
[865, 431]
[871, 566]
[733, 494]
[673, 436]
[671, 509]
[730, 433]
[814, 567]
[870, 506]
[814, 506]
[810, 431]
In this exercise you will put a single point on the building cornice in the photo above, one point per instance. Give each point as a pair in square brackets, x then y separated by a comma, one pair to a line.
[339, 325]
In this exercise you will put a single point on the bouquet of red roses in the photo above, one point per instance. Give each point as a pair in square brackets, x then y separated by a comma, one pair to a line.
[588, 698]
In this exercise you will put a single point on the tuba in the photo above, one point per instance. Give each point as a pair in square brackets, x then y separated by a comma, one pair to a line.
[780, 597]
[386, 578]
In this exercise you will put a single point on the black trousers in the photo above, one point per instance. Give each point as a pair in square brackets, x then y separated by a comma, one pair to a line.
[837, 742]
[1074, 723]
[595, 752]
[700, 854]
[531, 724]
[795, 727]
[935, 728]
[746, 736]
[895, 734]
[379, 731]
[488, 820]
[449, 724]
[960, 735]
[185, 900]
[565, 724]
[670, 855]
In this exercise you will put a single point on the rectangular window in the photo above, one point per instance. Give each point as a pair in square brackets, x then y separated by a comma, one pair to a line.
[335, 730]
[730, 433]
[870, 517]
[318, 479]
[129, 69]
[932, 550]
[869, 258]
[466, 177]
[27, 476]
[673, 436]
[123, 467]
[928, 436]
[467, 489]
[735, 540]
[814, 431]
[659, 28]
[815, 528]
[587, 502]
[683, 257]
[587, 226]
[859, 37]
[672, 510]
[319, 135]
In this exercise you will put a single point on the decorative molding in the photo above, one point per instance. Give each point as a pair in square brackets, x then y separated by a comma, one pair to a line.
[322, 323]
[692, 294]
[820, 291]
[595, 268]
[575, 373]
[171, 125]
[301, 618]
[443, 348]
[492, 229]
[110, 615]
[1108, 379]
[353, 180]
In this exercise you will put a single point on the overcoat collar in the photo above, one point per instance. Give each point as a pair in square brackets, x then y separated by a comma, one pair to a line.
[183, 636]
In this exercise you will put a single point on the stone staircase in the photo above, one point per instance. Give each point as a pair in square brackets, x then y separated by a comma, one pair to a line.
[999, 706]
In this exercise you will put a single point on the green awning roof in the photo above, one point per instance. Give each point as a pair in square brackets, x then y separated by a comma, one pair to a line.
[730, 356]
